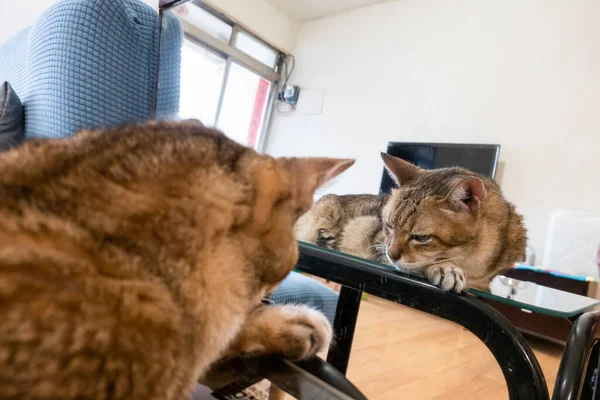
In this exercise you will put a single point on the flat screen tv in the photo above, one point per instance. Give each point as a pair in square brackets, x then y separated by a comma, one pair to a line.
[480, 158]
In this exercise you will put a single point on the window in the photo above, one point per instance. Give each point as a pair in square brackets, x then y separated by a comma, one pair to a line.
[202, 73]
[228, 76]
[244, 105]
[204, 20]
[257, 49]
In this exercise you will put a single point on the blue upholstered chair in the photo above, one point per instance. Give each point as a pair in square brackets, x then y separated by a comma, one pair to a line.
[92, 63]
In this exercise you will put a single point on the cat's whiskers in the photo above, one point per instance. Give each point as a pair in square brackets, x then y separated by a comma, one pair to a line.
[414, 268]
[417, 268]
[405, 271]
[430, 263]
[398, 266]
[378, 250]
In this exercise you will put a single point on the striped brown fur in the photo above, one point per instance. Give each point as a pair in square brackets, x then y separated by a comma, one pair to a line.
[132, 258]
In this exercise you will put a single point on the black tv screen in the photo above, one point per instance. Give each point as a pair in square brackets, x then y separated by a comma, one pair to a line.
[480, 158]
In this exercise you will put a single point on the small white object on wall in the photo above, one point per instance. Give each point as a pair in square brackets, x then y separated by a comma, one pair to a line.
[311, 102]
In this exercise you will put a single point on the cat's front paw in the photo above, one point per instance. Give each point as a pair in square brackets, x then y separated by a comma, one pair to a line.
[447, 277]
[292, 331]
[306, 332]
[326, 239]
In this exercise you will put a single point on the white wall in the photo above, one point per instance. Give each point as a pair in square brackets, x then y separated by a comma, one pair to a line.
[525, 74]
[19, 14]
[262, 19]
[152, 3]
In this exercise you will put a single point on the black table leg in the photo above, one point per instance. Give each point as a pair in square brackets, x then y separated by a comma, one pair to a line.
[343, 328]
[524, 377]
[590, 385]
[578, 372]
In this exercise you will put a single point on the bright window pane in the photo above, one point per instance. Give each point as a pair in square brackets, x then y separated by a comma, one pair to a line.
[201, 79]
[244, 105]
[205, 21]
[256, 49]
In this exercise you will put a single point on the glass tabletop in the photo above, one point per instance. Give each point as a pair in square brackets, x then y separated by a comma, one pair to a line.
[537, 298]
[524, 295]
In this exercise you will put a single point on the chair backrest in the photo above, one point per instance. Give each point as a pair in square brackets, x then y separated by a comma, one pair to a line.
[91, 63]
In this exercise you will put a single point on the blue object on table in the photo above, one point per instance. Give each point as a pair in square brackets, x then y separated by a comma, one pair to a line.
[582, 278]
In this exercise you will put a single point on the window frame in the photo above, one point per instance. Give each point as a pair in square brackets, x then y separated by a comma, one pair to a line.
[230, 53]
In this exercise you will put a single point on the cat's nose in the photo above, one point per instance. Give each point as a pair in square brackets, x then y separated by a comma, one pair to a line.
[394, 254]
[396, 248]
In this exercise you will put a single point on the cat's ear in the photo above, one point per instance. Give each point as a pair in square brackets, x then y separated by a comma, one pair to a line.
[400, 170]
[308, 174]
[467, 195]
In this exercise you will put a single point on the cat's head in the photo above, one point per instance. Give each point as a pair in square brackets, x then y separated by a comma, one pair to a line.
[268, 195]
[284, 190]
[433, 215]
[256, 199]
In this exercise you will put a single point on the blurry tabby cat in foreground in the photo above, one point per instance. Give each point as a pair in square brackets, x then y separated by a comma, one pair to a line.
[131, 259]
[451, 225]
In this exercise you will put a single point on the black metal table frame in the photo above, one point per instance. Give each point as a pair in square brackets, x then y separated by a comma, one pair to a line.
[578, 373]
[522, 372]
[310, 379]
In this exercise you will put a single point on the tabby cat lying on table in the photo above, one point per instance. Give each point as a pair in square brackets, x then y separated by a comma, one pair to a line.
[450, 225]
[131, 259]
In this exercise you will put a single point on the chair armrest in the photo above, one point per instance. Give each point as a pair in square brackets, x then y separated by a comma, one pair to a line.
[305, 380]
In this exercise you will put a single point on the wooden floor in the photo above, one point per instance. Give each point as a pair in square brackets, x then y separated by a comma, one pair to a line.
[400, 353]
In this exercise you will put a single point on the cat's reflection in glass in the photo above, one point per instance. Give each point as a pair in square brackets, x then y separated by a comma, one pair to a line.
[450, 225]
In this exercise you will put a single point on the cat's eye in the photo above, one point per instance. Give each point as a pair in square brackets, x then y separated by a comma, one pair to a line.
[421, 238]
